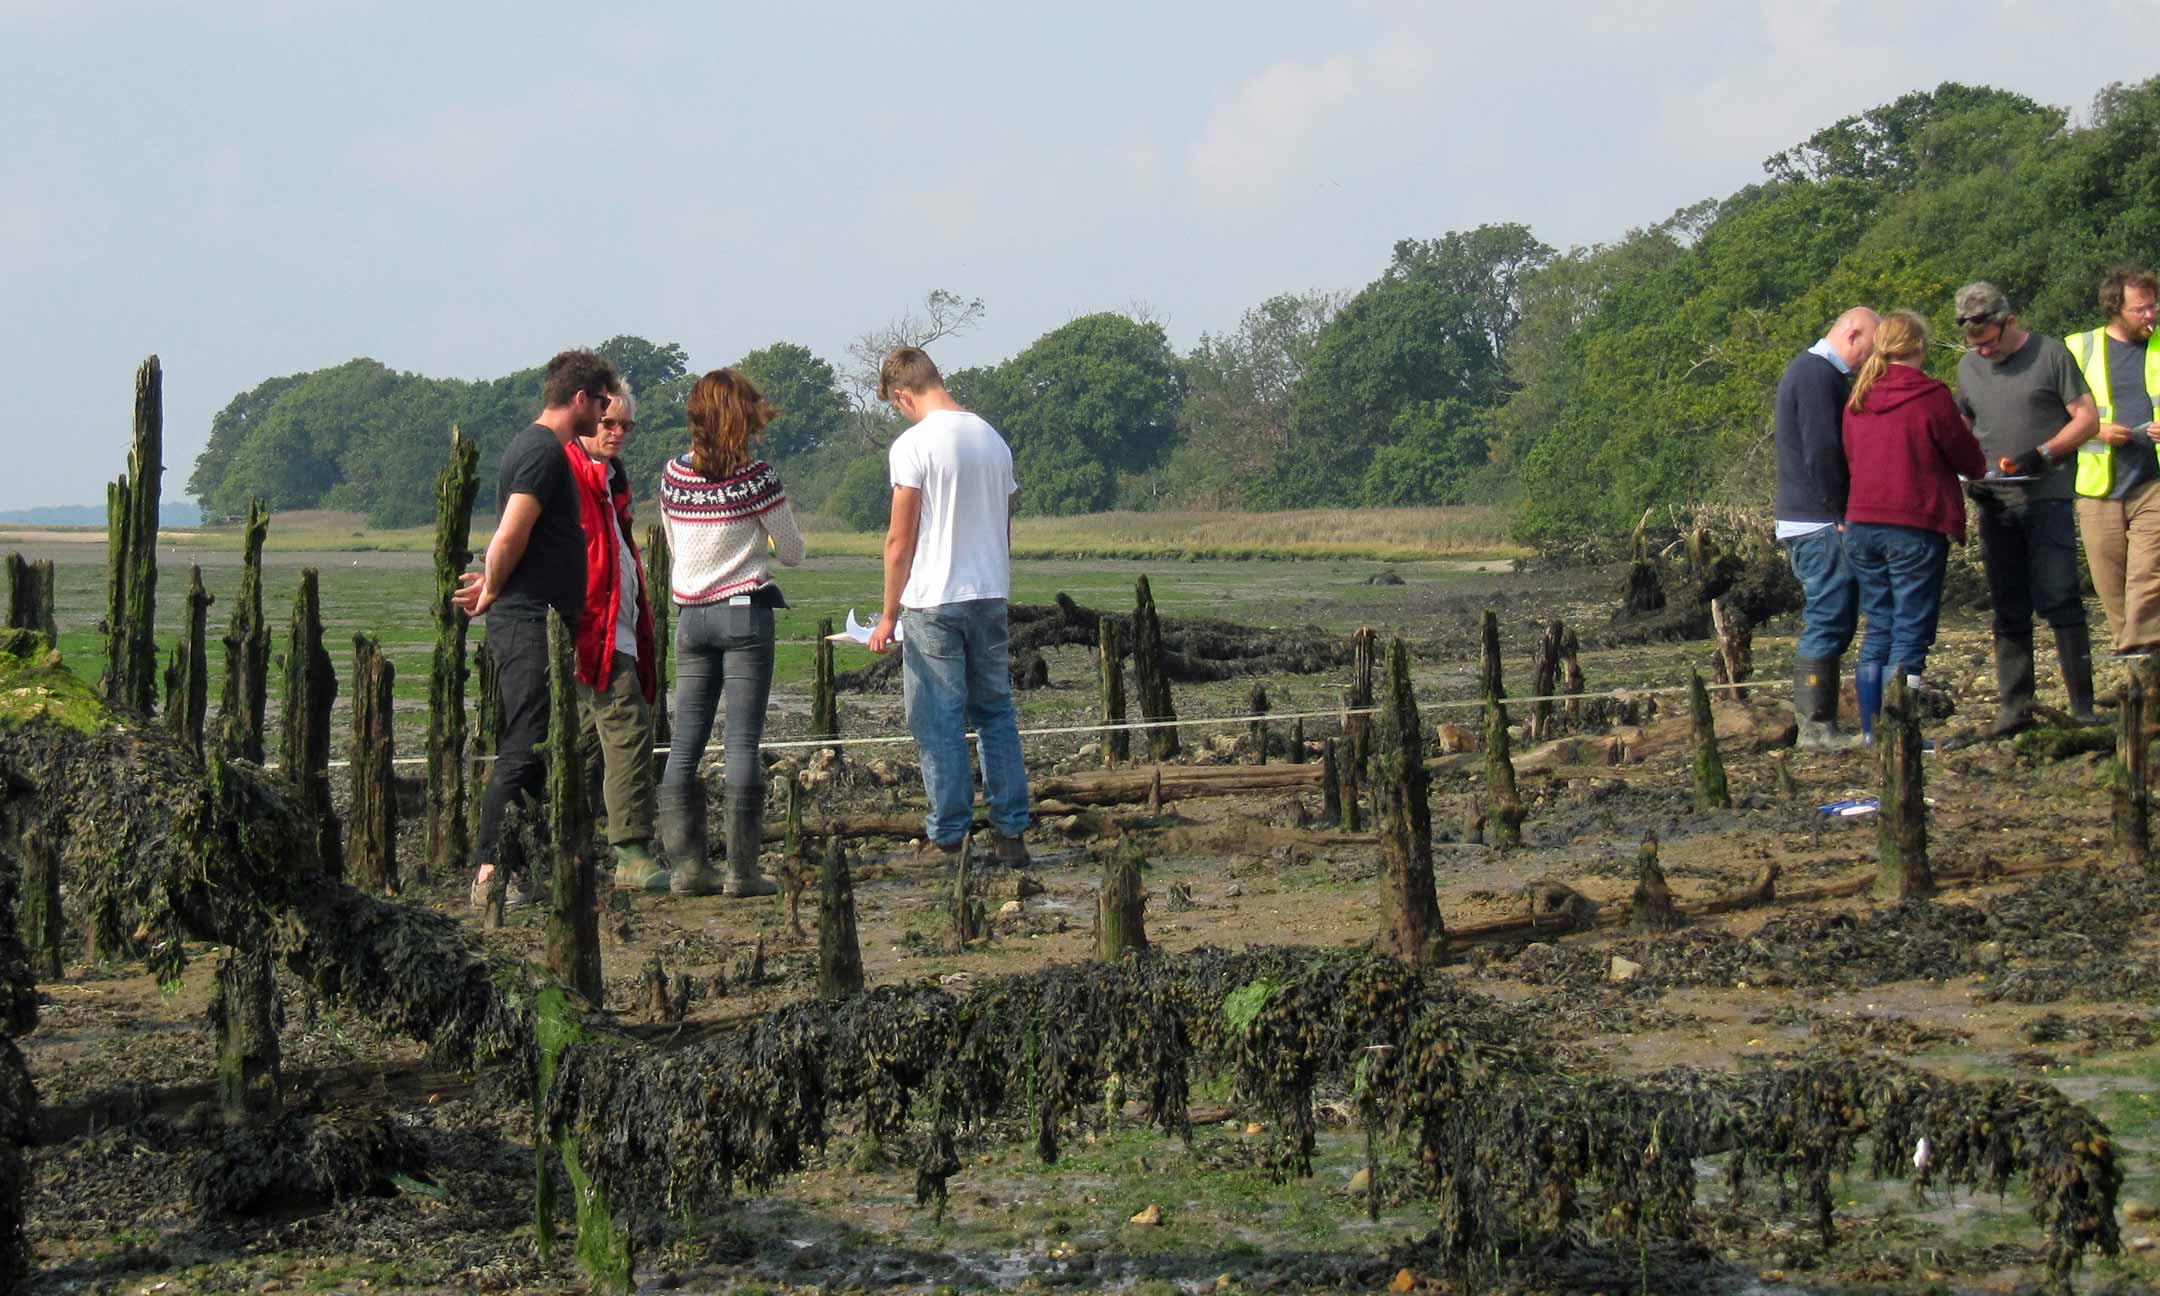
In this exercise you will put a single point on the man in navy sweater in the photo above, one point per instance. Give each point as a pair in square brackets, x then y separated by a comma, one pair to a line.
[1810, 436]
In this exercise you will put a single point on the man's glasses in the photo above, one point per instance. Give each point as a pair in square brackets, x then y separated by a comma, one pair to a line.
[1975, 321]
[624, 426]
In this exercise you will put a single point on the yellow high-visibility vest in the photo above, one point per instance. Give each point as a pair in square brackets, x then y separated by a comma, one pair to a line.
[2096, 459]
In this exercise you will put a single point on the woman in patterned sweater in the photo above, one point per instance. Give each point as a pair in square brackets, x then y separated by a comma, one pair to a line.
[727, 519]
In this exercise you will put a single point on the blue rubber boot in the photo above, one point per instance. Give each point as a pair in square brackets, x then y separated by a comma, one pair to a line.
[1868, 682]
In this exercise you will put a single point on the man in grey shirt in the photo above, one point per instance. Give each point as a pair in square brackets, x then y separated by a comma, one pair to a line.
[2031, 411]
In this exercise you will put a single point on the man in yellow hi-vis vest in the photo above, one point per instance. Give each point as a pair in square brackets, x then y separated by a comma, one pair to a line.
[2118, 506]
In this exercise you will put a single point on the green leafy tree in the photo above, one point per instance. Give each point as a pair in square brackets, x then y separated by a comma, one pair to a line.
[804, 390]
[646, 364]
[862, 499]
[1235, 417]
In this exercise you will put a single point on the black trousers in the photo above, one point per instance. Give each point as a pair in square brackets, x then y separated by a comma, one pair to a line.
[521, 671]
[2029, 550]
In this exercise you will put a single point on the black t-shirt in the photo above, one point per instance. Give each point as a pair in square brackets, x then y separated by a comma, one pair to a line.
[552, 572]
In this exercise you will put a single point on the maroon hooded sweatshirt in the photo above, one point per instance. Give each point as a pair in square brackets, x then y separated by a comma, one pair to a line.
[1906, 448]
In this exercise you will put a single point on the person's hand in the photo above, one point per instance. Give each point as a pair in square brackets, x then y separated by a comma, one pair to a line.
[2114, 434]
[471, 595]
[881, 635]
[2030, 464]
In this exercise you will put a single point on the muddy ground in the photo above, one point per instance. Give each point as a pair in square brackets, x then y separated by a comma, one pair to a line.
[2043, 967]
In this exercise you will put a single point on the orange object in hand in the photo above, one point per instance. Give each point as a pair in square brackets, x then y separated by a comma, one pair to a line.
[2007, 465]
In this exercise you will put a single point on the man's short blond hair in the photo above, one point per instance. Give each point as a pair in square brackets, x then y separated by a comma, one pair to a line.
[907, 369]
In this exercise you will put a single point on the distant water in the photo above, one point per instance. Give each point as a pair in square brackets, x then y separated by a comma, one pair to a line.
[171, 513]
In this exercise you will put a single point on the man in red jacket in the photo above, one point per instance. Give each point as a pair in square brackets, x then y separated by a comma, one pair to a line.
[615, 652]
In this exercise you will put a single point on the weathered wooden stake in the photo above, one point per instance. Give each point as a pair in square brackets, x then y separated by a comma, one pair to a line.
[1331, 798]
[247, 650]
[840, 969]
[1545, 680]
[486, 734]
[1736, 645]
[1901, 835]
[2132, 776]
[969, 921]
[448, 841]
[30, 597]
[131, 523]
[660, 591]
[43, 923]
[824, 694]
[244, 1016]
[1150, 676]
[573, 925]
[1120, 906]
[1297, 741]
[304, 745]
[1653, 908]
[1358, 728]
[1503, 803]
[1256, 704]
[1645, 589]
[1110, 661]
[1781, 767]
[371, 855]
[1352, 780]
[187, 679]
[1571, 676]
[1402, 803]
[1711, 791]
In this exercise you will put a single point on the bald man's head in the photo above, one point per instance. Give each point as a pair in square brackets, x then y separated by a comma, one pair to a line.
[1853, 336]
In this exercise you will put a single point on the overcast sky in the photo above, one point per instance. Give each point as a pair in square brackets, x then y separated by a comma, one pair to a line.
[460, 188]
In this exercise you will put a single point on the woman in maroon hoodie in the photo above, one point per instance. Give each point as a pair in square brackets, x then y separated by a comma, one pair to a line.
[1907, 445]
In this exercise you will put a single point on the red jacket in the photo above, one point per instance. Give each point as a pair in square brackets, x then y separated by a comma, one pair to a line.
[1906, 448]
[603, 507]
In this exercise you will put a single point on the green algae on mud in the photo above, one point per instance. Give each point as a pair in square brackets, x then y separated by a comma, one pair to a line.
[36, 684]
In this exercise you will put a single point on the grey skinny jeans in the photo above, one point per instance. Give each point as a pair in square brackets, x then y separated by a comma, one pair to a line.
[723, 652]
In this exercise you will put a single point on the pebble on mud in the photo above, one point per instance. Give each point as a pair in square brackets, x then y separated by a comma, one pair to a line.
[1361, 1183]
[1622, 969]
[1148, 1218]
[1403, 1281]
[2138, 1210]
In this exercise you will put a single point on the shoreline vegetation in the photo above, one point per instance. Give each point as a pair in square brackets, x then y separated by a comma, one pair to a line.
[1471, 533]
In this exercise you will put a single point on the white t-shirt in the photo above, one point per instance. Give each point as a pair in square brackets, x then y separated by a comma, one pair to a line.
[964, 470]
[626, 583]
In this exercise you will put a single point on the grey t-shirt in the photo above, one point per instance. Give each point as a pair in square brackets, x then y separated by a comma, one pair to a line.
[2135, 464]
[2019, 403]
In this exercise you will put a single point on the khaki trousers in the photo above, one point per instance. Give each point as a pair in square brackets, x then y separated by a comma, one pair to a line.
[2122, 546]
[615, 727]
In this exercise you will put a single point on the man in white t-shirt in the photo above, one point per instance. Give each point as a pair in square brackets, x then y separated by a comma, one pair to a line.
[948, 568]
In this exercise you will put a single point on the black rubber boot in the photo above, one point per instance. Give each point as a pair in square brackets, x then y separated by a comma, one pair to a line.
[1815, 705]
[679, 813]
[2014, 684]
[745, 810]
[2073, 648]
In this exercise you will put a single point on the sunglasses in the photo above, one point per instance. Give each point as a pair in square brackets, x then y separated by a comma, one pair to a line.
[625, 426]
[1976, 321]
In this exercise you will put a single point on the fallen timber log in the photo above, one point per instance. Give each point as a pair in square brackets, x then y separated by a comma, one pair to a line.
[1195, 649]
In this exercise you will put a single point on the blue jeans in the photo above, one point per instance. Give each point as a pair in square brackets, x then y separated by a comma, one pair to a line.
[956, 672]
[1833, 600]
[1900, 570]
[722, 652]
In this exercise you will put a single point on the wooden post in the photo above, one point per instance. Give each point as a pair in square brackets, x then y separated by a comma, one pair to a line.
[660, 592]
[1352, 781]
[1358, 729]
[448, 841]
[824, 695]
[486, 734]
[1781, 767]
[187, 679]
[1297, 741]
[1546, 680]
[304, 745]
[1331, 798]
[1402, 805]
[1503, 803]
[30, 597]
[840, 969]
[1711, 792]
[1653, 909]
[1150, 674]
[1256, 704]
[1571, 676]
[1120, 906]
[131, 523]
[43, 923]
[969, 922]
[573, 924]
[1736, 644]
[1110, 657]
[2132, 775]
[1901, 836]
[244, 1016]
[372, 853]
[247, 650]
[1645, 589]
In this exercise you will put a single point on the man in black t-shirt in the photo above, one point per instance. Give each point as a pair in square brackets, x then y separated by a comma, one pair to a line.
[535, 561]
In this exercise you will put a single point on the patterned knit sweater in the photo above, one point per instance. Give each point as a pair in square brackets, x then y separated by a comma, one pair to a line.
[717, 530]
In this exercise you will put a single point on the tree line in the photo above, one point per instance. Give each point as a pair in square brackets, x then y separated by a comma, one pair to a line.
[1578, 388]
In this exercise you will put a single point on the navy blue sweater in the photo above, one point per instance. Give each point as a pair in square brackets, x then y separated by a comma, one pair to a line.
[1810, 436]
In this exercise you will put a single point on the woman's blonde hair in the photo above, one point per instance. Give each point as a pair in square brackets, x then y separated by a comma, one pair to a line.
[1902, 336]
[726, 411]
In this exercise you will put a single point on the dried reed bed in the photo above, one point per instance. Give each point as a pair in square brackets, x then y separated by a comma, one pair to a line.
[1469, 531]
